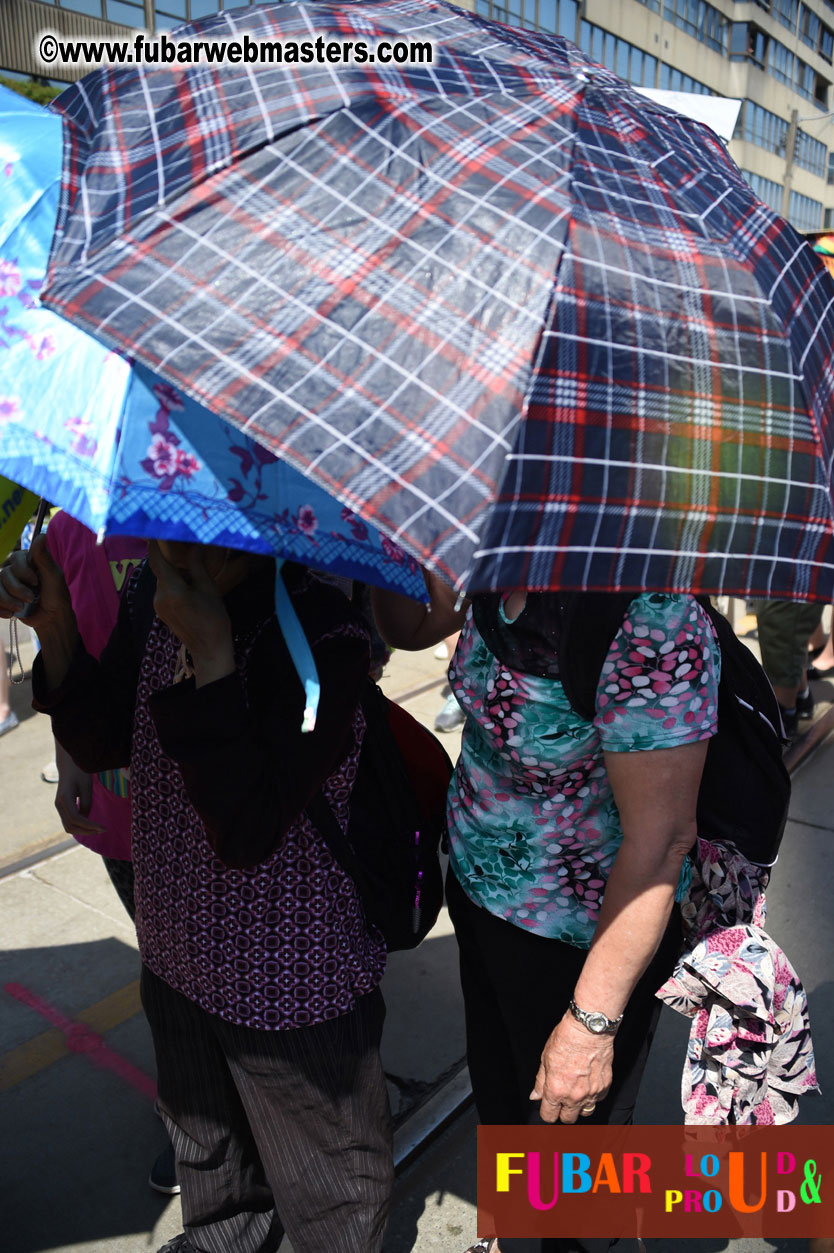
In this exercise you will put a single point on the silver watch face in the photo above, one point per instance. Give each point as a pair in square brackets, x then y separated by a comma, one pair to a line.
[597, 1023]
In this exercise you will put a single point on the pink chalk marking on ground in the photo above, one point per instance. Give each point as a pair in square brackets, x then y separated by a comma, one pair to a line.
[82, 1039]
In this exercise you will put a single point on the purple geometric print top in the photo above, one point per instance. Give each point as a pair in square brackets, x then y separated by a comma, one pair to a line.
[283, 944]
[533, 827]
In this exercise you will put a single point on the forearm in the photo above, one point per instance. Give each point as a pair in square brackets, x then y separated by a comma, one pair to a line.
[635, 912]
[412, 625]
[576, 1069]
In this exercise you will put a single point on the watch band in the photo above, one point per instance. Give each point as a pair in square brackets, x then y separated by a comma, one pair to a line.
[594, 1020]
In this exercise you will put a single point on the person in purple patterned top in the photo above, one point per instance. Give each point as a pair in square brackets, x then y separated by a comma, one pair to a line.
[260, 973]
[568, 845]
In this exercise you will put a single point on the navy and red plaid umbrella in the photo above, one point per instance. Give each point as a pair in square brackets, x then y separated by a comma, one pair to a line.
[534, 326]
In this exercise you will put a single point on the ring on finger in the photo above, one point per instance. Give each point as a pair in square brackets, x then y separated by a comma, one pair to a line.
[588, 1109]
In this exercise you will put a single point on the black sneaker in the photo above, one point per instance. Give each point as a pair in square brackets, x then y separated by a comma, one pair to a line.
[163, 1176]
[179, 1244]
[805, 704]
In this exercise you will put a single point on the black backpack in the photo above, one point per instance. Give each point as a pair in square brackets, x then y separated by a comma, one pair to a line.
[397, 822]
[745, 789]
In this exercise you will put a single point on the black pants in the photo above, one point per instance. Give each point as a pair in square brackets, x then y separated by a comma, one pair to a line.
[275, 1130]
[516, 987]
[121, 876]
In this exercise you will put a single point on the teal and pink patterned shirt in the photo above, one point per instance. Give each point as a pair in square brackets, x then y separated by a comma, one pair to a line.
[533, 827]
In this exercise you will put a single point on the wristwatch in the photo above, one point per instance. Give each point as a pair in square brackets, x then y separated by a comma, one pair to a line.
[596, 1022]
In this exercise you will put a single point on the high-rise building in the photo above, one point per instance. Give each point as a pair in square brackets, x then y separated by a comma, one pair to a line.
[773, 55]
[776, 56]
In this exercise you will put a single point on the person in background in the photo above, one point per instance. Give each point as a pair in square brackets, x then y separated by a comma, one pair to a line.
[785, 628]
[821, 654]
[260, 973]
[568, 846]
[450, 716]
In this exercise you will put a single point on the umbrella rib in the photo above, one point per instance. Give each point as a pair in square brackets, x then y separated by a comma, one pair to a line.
[160, 168]
[644, 351]
[812, 339]
[661, 468]
[678, 553]
[651, 281]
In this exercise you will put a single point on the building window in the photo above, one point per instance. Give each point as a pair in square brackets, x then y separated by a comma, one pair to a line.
[172, 8]
[787, 11]
[768, 192]
[749, 43]
[827, 43]
[568, 17]
[761, 127]
[810, 154]
[826, 219]
[672, 79]
[783, 64]
[617, 55]
[804, 213]
[125, 13]
[554, 17]
[90, 8]
[700, 20]
[809, 27]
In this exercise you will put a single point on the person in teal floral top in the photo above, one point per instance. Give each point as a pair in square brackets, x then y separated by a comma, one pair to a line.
[568, 845]
[533, 825]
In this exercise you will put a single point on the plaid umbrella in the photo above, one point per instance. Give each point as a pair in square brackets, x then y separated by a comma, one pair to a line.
[534, 326]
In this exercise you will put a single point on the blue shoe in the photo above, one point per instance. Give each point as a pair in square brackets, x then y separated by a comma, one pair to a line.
[9, 722]
[450, 717]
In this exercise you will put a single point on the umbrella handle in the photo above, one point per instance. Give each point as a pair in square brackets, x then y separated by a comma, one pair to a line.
[299, 649]
[43, 509]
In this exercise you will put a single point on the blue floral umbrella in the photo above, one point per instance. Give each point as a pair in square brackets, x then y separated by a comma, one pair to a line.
[119, 449]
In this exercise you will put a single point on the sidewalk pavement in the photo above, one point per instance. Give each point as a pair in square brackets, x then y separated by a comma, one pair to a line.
[76, 1063]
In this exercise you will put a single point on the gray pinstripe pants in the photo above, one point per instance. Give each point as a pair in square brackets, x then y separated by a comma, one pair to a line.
[267, 1123]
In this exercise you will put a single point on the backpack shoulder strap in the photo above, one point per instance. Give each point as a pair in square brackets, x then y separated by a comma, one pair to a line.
[589, 623]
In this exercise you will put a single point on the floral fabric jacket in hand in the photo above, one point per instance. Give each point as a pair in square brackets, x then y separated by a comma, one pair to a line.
[750, 1053]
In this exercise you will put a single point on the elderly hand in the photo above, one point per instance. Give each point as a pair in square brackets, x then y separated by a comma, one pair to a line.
[32, 583]
[189, 603]
[33, 576]
[74, 796]
[575, 1071]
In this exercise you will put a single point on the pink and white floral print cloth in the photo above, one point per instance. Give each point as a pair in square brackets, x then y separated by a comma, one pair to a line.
[750, 1054]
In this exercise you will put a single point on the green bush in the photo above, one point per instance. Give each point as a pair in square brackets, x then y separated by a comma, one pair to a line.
[41, 93]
